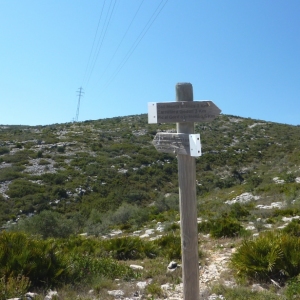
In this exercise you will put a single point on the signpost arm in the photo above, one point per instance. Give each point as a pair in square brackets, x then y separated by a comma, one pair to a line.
[188, 206]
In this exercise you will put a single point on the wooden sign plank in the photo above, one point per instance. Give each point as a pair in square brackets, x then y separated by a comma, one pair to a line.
[178, 143]
[182, 112]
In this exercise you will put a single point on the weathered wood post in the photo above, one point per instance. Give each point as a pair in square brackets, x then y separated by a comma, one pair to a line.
[188, 206]
[187, 146]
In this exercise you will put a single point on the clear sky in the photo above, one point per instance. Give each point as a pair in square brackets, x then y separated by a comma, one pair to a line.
[243, 55]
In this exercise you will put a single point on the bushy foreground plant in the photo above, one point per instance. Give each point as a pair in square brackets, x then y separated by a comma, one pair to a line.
[53, 262]
[33, 258]
[242, 293]
[12, 287]
[271, 256]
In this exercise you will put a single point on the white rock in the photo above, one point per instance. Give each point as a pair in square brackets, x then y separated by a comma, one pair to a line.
[144, 236]
[116, 293]
[155, 237]
[250, 227]
[149, 231]
[286, 219]
[160, 228]
[136, 267]
[141, 285]
[165, 286]
[50, 295]
[271, 206]
[243, 198]
[31, 295]
[283, 226]
[172, 265]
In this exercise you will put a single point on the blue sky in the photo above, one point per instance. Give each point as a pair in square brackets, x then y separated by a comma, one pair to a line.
[242, 55]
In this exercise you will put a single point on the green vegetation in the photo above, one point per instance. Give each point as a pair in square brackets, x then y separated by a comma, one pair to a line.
[271, 256]
[94, 177]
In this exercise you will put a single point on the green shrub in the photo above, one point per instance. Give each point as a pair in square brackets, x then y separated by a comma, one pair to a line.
[55, 262]
[61, 149]
[10, 173]
[293, 228]
[4, 150]
[39, 154]
[83, 267]
[272, 255]
[242, 293]
[47, 224]
[13, 287]
[170, 246]
[154, 290]
[223, 226]
[44, 162]
[238, 211]
[292, 290]
[20, 188]
[37, 260]
[125, 248]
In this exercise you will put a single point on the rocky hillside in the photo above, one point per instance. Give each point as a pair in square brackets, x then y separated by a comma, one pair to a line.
[104, 178]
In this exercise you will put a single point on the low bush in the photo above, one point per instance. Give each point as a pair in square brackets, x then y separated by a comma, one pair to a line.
[54, 262]
[293, 228]
[11, 173]
[13, 287]
[170, 246]
[223, 226]
[47, 224]
[292, 289]
[242, 293]
[273, 255]
[125, 248]
[38, 260]
[4, 150]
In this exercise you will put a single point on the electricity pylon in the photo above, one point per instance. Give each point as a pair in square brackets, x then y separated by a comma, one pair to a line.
[80, 94]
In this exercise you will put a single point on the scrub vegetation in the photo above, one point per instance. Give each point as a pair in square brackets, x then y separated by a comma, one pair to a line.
[64, 188]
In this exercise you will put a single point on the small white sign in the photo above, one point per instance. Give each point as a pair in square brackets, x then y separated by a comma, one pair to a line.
[152, 113]
[195, 145]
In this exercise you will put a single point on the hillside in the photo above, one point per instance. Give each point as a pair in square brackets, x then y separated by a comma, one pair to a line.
[78, 167]
[97, 176]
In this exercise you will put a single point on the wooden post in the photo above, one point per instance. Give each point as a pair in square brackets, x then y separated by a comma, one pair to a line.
[188, 206]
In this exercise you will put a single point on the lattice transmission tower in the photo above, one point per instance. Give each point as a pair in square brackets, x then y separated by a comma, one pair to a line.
[80, 94]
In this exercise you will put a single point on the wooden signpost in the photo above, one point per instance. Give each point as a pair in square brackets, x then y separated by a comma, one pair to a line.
[187, 146]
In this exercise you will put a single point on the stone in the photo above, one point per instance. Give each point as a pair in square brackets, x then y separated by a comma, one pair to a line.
[141, 285]
[31, 295]
[136, 267]
[172, 266]
[165, 286]
[243, 198]
[143, 236]
[50, 295]
[149, 231]
[116, 293]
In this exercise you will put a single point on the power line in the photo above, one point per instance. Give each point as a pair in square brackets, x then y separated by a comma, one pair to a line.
[133, 18]
[86, 70]
[100, 40]
[138, 40]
